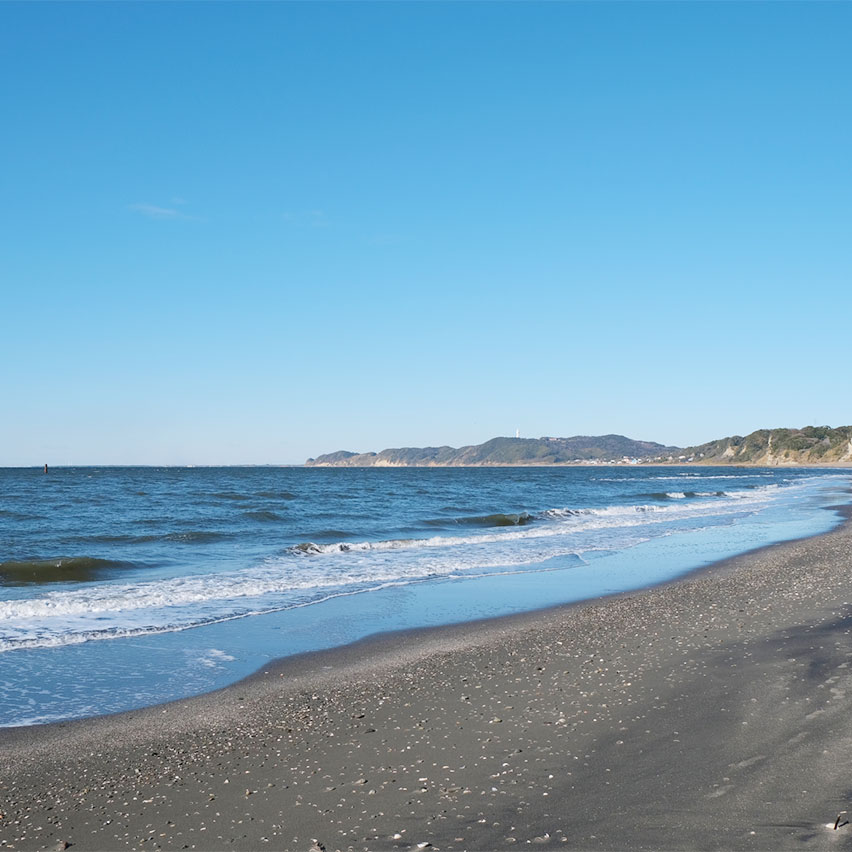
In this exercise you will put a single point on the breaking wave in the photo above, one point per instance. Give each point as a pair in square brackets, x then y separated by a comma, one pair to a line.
[498, 519]
[313, 571]
[684, 495]
[71, 569]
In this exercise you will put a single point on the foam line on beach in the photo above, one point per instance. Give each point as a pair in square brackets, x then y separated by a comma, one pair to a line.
[717, 697]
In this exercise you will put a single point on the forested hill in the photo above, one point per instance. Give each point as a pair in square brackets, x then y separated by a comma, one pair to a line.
[812, 445]
[505, 451]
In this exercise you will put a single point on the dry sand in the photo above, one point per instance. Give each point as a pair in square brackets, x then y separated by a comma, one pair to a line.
[710, 713]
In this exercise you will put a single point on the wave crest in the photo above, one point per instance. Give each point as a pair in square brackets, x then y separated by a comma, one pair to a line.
[498, 519]
[65, 569]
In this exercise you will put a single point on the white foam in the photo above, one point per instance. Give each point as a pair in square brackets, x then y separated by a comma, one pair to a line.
[214, 658]
[689, 475]
[116, 609]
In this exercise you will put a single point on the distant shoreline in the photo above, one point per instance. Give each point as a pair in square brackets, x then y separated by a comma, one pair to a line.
[791, 465]
[811, 445]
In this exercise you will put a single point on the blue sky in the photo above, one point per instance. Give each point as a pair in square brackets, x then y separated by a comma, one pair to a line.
[251, 233]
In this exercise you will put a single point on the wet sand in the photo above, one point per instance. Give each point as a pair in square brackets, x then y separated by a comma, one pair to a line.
[710, 713]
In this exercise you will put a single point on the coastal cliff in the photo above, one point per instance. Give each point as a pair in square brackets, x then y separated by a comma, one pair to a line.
[812, 445]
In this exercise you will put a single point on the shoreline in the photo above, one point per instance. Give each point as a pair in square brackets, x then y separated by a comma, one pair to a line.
[389, 646]
[574, 686]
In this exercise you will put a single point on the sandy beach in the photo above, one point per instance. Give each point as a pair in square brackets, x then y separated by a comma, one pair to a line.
[709, 713]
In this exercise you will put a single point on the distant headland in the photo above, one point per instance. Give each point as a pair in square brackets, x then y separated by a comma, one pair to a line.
[810, 446]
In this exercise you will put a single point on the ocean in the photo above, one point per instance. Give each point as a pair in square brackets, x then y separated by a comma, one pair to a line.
[127, 587]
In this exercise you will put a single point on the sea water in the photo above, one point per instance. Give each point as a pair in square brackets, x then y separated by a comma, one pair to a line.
[125, 587]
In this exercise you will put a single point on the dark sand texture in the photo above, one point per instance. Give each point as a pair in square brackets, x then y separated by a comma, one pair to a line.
[711, 713]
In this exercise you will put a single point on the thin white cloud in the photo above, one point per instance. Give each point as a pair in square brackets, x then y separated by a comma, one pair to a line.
[385, 240]
[152, 211]
[155, 211]
[309, 218]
